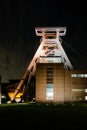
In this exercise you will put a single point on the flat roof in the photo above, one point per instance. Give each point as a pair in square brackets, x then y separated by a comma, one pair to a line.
[50, 28]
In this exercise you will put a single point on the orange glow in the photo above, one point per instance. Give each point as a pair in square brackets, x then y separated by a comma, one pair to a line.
[17, 96]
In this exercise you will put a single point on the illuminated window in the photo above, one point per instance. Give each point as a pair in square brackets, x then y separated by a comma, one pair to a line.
[49, 85]
[85, 75]
[49, 91]
[79, 75]
[77, 98]
[86, 90]
[73, 75]
[85, 97]
[78, 90]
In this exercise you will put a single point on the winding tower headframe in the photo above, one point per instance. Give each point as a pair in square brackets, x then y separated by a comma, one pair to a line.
[49, 51]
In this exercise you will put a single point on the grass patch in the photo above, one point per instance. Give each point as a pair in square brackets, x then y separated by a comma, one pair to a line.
[54, 115]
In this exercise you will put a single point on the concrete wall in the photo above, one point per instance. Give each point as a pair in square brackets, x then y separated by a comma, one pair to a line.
[59, 83]
[68, 86]
[40, 83]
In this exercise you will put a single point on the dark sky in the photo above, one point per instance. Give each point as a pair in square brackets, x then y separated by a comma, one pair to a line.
[18, 41]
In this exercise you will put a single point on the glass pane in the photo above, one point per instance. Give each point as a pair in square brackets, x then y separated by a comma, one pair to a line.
[49, 74]
[85, 97]
[49, 92]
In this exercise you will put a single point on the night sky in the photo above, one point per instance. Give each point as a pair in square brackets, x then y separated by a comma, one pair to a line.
[18, 41]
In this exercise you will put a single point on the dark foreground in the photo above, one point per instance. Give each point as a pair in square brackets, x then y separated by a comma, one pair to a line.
[43, 116]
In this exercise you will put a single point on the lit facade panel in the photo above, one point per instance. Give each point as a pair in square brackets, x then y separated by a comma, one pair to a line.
[51, 60]
[52, 86]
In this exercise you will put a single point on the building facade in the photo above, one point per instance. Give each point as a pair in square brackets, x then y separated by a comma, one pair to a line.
[54, 84]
